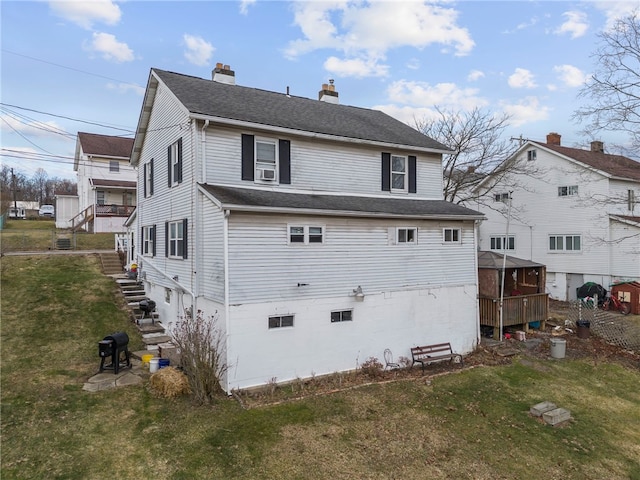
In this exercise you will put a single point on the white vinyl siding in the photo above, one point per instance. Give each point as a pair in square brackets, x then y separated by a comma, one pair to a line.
[319, 165]
[357, 248]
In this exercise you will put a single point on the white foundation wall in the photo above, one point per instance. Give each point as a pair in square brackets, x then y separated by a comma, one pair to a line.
[397, 320]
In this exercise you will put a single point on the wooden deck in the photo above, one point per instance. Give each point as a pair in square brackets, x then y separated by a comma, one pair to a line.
[517, 310]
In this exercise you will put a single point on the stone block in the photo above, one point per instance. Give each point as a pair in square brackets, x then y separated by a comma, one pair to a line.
[555, 416]
[540, 408]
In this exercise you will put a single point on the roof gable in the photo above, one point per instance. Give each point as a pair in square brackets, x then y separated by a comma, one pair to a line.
[105, 145]
[215, 99]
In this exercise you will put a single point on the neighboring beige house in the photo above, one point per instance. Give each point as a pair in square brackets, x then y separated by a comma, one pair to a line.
[106, 183]
[578, 215]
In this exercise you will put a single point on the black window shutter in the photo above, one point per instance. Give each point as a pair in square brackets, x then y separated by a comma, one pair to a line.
[142, 242]
[144, 177]
[179, 179]
[153, 241]
[169, 165]
[185, 237]
[151, 177]
[247, 157]
[166, 239]
[386, 172]
[412, 175]
[285, 161]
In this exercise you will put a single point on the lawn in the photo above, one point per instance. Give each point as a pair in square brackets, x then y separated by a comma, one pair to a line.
[41, 235]
[470, 424]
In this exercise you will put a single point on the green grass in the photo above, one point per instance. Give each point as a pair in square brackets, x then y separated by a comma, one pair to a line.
[41, 235]
[471, 424]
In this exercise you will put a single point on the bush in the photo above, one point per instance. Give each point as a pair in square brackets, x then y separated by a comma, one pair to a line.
[372, 367]
[202, 353]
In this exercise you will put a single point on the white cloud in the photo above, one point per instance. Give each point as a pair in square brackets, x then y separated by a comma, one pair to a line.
[198, 51]
[576, 24]
[244, 6]
[86, 13]
[356, 67]
[475, 75]
[110, 48]
[126, 87]
[521, 78]
[413, 64]
[526, 111]
[422, 94]
[571, 76]
[9, 123]
[368, 30]
[615, 10]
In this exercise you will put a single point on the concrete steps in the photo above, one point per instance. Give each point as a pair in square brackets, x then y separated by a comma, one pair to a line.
[111, 263]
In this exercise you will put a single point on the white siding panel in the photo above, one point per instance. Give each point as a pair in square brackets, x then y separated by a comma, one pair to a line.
[168, 122]
[319, 165]
[315, 346]
[625, 251]
[264, 266]
[212, 268]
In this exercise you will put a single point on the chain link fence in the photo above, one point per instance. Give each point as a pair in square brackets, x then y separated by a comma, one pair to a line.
[613, 327]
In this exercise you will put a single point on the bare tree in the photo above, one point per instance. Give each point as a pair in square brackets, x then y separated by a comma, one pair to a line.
[40, 180]
[614, 88]
[479, 153]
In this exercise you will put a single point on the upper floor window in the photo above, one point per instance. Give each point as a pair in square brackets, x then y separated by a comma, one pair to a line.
[451, 235]
[306, 234]
[266, 160]
[501, 243]
[176, 239]
[399, 173]
[501, 197]
[175, 163]
[406, 235]
[531, 155]
[568, 190]
[148, 178]
[114, 166]
[565, 243]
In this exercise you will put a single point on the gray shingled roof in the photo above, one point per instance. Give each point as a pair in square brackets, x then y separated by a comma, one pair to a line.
[494, 261]
[245, 198]
[106, 145]
[209, 98]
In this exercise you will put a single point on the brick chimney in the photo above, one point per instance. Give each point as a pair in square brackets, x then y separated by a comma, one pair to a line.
[328, 93]
[223, 74]
[553, 139]
[597, 146]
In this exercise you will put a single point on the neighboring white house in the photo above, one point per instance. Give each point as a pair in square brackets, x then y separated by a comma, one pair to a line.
[106, 183]
[22, 209]
[315, 232]
[577, 214]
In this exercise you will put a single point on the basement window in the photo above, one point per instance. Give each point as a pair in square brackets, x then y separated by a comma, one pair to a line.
[342, 316]
[281, 321]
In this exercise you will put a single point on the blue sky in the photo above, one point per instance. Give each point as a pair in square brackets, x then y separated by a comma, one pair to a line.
[82, 65]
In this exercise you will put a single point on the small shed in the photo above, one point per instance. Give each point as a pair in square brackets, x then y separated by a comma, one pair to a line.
[525, 301]
[628, 292]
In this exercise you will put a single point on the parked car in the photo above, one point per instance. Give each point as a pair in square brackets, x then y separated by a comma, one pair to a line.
[47, 211]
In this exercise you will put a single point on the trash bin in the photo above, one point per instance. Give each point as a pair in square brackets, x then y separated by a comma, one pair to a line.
[558, 347]
[583, 328]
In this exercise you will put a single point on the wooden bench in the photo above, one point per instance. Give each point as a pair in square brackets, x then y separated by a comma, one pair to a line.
[433, 353]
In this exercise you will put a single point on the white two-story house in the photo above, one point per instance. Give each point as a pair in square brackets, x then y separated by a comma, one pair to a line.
[575, 212]
[106, 183]
[315, 232]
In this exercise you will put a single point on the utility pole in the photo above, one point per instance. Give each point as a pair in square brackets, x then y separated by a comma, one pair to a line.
[13, 187]
[520, 140]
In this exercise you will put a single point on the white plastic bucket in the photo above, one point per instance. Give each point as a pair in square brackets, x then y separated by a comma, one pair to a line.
[558, 347]
[153, 365]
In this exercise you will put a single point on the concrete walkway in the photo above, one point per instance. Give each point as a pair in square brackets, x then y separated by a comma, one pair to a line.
[137, 374]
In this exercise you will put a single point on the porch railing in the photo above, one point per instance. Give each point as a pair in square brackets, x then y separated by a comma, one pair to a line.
[521, 309]
[82, 218]
[113, 210]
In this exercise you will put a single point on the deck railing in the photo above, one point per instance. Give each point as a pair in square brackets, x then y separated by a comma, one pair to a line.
[113, 210]
[521, 309]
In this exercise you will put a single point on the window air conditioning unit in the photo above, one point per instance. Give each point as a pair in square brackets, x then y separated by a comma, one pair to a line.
[267, 174]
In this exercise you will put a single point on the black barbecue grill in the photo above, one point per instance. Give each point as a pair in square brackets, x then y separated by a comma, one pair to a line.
[115, 347]
[146, 307]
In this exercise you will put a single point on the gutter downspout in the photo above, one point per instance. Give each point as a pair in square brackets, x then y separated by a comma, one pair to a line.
[195, 223]
[225, 235]
[475, 246]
